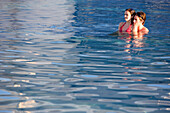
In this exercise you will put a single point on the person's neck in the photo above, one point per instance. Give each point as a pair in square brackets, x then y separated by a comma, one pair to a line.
[141, 26]
[128, 22]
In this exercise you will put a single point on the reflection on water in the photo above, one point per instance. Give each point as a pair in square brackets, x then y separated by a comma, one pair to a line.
[57, 56]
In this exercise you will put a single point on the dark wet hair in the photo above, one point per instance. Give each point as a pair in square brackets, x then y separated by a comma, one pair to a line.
[132, 12]
[142, 16]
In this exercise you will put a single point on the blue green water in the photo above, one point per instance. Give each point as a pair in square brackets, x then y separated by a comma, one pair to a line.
[56, 57]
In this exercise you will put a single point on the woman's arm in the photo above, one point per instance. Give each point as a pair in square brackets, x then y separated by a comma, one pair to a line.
[139, 32]
[135, 30]
[144, 31]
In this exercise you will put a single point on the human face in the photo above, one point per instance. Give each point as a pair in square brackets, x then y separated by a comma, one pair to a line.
[127, 16]
[136, 20]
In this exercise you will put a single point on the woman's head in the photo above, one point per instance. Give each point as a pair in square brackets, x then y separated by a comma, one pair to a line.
[141, 16]
[129, 13]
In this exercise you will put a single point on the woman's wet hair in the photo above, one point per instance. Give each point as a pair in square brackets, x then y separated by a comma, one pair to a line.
[132, 12]
[142, 16]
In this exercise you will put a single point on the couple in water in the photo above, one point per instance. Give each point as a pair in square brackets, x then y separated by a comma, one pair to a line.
[134, 23]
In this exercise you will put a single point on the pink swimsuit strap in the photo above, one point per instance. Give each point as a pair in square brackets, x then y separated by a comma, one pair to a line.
[127, 30]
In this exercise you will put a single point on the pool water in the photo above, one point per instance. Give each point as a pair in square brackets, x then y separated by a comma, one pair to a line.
[56, 56]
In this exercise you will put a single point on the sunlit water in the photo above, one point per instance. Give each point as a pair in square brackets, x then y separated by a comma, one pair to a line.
[56, 57]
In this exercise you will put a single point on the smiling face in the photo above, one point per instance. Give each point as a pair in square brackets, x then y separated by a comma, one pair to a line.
[127, 16]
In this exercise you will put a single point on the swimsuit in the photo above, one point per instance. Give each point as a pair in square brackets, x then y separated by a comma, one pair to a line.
[127, 30]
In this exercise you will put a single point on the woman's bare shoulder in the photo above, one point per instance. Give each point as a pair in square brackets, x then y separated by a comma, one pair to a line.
[145, 30]
[121, 23]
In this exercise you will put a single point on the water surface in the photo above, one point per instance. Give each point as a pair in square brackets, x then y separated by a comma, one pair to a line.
[56, 56]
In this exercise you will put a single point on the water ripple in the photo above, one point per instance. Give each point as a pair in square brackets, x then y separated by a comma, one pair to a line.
[56, 56]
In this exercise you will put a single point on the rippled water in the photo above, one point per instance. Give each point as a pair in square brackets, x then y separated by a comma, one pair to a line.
[56, 56]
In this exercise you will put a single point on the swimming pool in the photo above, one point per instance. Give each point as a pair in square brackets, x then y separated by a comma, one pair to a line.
[56, 56]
